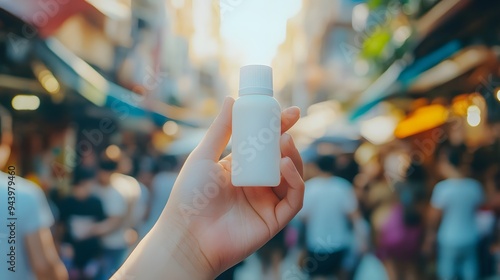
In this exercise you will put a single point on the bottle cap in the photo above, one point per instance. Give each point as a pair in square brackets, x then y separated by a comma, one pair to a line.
[256, 79]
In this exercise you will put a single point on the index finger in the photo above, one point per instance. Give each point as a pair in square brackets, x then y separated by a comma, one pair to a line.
[218, 134]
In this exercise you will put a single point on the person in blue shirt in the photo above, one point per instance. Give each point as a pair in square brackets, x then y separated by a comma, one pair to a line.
[454, 203]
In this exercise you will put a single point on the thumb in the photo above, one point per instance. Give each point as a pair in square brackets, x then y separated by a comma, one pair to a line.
[217, 137]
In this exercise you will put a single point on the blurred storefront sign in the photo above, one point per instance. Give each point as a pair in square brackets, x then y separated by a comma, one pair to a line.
[421, 120]
[45, 15]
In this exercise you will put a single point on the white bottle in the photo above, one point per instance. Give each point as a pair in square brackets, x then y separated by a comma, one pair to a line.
[256, 130]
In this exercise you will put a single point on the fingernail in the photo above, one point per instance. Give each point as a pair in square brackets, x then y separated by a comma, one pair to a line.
[293, 108]
[226, 101]
[287, 161]
[288, 138]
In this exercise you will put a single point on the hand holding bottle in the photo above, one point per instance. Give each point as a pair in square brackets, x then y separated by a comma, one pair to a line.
[208, 224]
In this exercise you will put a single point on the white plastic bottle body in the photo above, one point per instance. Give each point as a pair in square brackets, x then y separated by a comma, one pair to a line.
[255, 144]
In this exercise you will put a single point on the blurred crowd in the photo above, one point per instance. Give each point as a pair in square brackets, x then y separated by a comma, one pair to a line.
[112, 204]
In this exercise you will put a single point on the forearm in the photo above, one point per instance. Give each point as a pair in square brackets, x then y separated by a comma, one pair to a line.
[167, 252]
[361, 229]
[59, 271]
[430, 235]
[51, 270]
[107, 226]
[43, 274]
[433, 226]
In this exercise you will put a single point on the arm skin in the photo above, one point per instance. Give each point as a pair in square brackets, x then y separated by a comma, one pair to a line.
[361, 230]
[193, 240]
[107, 226]
[43, 256]
[435, 216]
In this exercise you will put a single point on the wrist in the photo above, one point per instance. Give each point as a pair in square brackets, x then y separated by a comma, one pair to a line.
[169, 251]
[183, 247]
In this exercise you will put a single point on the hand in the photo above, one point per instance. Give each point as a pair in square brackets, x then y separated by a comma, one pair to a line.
[208, 225]
[230, 222]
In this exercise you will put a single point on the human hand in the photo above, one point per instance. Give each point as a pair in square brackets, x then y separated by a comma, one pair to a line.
[208, 225]
[229, 223]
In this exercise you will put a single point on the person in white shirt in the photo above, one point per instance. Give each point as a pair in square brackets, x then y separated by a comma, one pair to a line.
[112, 230]
[33, 254]
[329, 204]
[454, 203]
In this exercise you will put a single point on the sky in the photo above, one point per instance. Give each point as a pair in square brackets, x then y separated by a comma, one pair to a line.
[252, 30]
